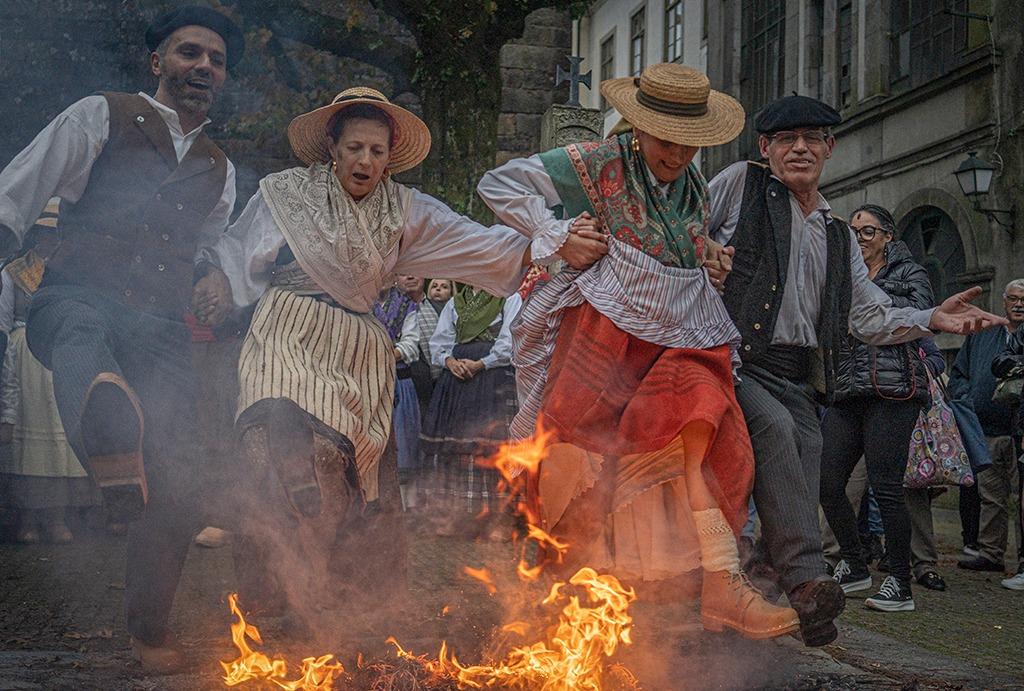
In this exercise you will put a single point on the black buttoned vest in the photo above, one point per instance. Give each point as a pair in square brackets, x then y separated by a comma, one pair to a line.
[753, 291]
[133, 233]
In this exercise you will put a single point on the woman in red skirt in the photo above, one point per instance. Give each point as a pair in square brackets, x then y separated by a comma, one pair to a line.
[629, 363]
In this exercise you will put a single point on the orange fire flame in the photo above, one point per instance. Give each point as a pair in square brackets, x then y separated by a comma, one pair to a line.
[482, 575]
[575, 656]
[317, 673]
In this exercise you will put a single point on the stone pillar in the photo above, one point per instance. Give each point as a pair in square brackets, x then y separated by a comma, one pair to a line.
[564, 124]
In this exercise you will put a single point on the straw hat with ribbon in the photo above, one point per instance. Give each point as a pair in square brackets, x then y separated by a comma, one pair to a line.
[676, 103]
[410, 138]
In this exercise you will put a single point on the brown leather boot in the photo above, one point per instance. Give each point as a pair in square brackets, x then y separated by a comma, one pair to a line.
[157, 660]
[728, 600]
[112, 431]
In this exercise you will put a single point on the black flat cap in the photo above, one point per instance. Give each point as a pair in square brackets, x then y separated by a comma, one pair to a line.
[194, 15]
[791, 112]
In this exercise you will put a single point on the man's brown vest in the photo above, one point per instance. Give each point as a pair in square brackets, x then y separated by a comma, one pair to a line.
[133, 233]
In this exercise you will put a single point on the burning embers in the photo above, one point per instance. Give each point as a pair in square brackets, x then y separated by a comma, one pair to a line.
[574, 654]
[317, 673]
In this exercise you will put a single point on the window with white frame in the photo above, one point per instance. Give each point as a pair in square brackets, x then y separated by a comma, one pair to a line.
[637, 41]
[607, 64]
[673, 30]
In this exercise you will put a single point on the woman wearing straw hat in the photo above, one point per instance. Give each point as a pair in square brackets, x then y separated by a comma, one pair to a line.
[315, 246]
[629, 363]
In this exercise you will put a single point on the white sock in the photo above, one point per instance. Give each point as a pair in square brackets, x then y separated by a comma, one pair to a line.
[718, 551]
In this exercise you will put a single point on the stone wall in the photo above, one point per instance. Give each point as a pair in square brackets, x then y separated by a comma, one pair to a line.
[528, 74]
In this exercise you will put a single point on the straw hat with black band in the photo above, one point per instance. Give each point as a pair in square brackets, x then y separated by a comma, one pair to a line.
[410, 137]
[676, 103]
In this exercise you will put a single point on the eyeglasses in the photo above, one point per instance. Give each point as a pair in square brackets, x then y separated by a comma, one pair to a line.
[1014, 299]
[811, 137]
[867, 232]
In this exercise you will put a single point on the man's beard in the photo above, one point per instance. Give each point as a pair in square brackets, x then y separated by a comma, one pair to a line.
[192, 100]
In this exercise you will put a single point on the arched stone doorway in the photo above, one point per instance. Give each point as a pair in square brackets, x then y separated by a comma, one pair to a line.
[934, 241]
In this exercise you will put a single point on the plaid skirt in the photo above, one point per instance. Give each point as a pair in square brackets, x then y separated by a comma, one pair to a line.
[465, 423]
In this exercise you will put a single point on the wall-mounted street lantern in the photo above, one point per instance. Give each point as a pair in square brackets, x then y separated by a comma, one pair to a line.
[975, 177]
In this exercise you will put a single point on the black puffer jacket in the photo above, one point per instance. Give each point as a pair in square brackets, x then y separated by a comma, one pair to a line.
[893, 371]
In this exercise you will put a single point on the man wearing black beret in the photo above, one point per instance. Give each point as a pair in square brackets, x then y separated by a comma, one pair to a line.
[797, 287]
[141, 187]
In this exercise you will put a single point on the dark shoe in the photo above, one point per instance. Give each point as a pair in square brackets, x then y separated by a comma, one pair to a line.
[112, 433]
[852, 578]
[980, 564]
[157, 660]
[931, 581]
[971, 550]
[817, 603]
[893, 596]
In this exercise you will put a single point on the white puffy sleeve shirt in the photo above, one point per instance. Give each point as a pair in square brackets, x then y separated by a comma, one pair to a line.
[435, 241]
[443, 341]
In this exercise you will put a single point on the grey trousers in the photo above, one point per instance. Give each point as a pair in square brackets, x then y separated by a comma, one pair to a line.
[997, 486]
[923, 554]
[784, 429]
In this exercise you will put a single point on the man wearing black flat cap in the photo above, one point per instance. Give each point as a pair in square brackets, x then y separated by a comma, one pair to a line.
[796, 288]
[141, 187]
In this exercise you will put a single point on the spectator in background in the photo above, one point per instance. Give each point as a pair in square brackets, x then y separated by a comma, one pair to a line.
[879, 392]
[397, 310]
[1000, 486]
[472, 405]
[972, 378]
[923, 553]
[41, 476]
[439, 292]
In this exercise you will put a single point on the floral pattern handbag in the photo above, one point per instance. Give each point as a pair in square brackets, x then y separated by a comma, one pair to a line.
[937, 455]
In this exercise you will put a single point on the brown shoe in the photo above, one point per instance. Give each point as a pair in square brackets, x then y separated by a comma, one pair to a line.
[112, 432]
[157, 660]
[728, 600]
[818, 602]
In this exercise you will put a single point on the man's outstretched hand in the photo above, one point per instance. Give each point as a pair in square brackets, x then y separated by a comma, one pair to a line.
[957, 315]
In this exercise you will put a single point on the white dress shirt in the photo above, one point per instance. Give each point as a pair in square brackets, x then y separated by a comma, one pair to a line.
[408, 343]
[443, 341]
[58, 161]
[873, 319]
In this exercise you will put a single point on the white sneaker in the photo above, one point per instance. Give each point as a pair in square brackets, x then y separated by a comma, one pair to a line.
[1014, 583]
[212, 537]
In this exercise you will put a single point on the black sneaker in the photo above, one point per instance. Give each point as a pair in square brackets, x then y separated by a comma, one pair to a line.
[852, 578]
[893, 596]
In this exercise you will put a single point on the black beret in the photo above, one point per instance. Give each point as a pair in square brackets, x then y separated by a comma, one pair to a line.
[194, 15]
[791, 112]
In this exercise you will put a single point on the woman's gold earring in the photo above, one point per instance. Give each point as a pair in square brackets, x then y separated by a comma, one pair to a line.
[334, 164]
[636, 145]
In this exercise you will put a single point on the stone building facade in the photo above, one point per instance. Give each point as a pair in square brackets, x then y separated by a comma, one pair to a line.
[920, 83]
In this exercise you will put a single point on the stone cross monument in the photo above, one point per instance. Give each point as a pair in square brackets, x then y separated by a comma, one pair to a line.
[570, 123]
